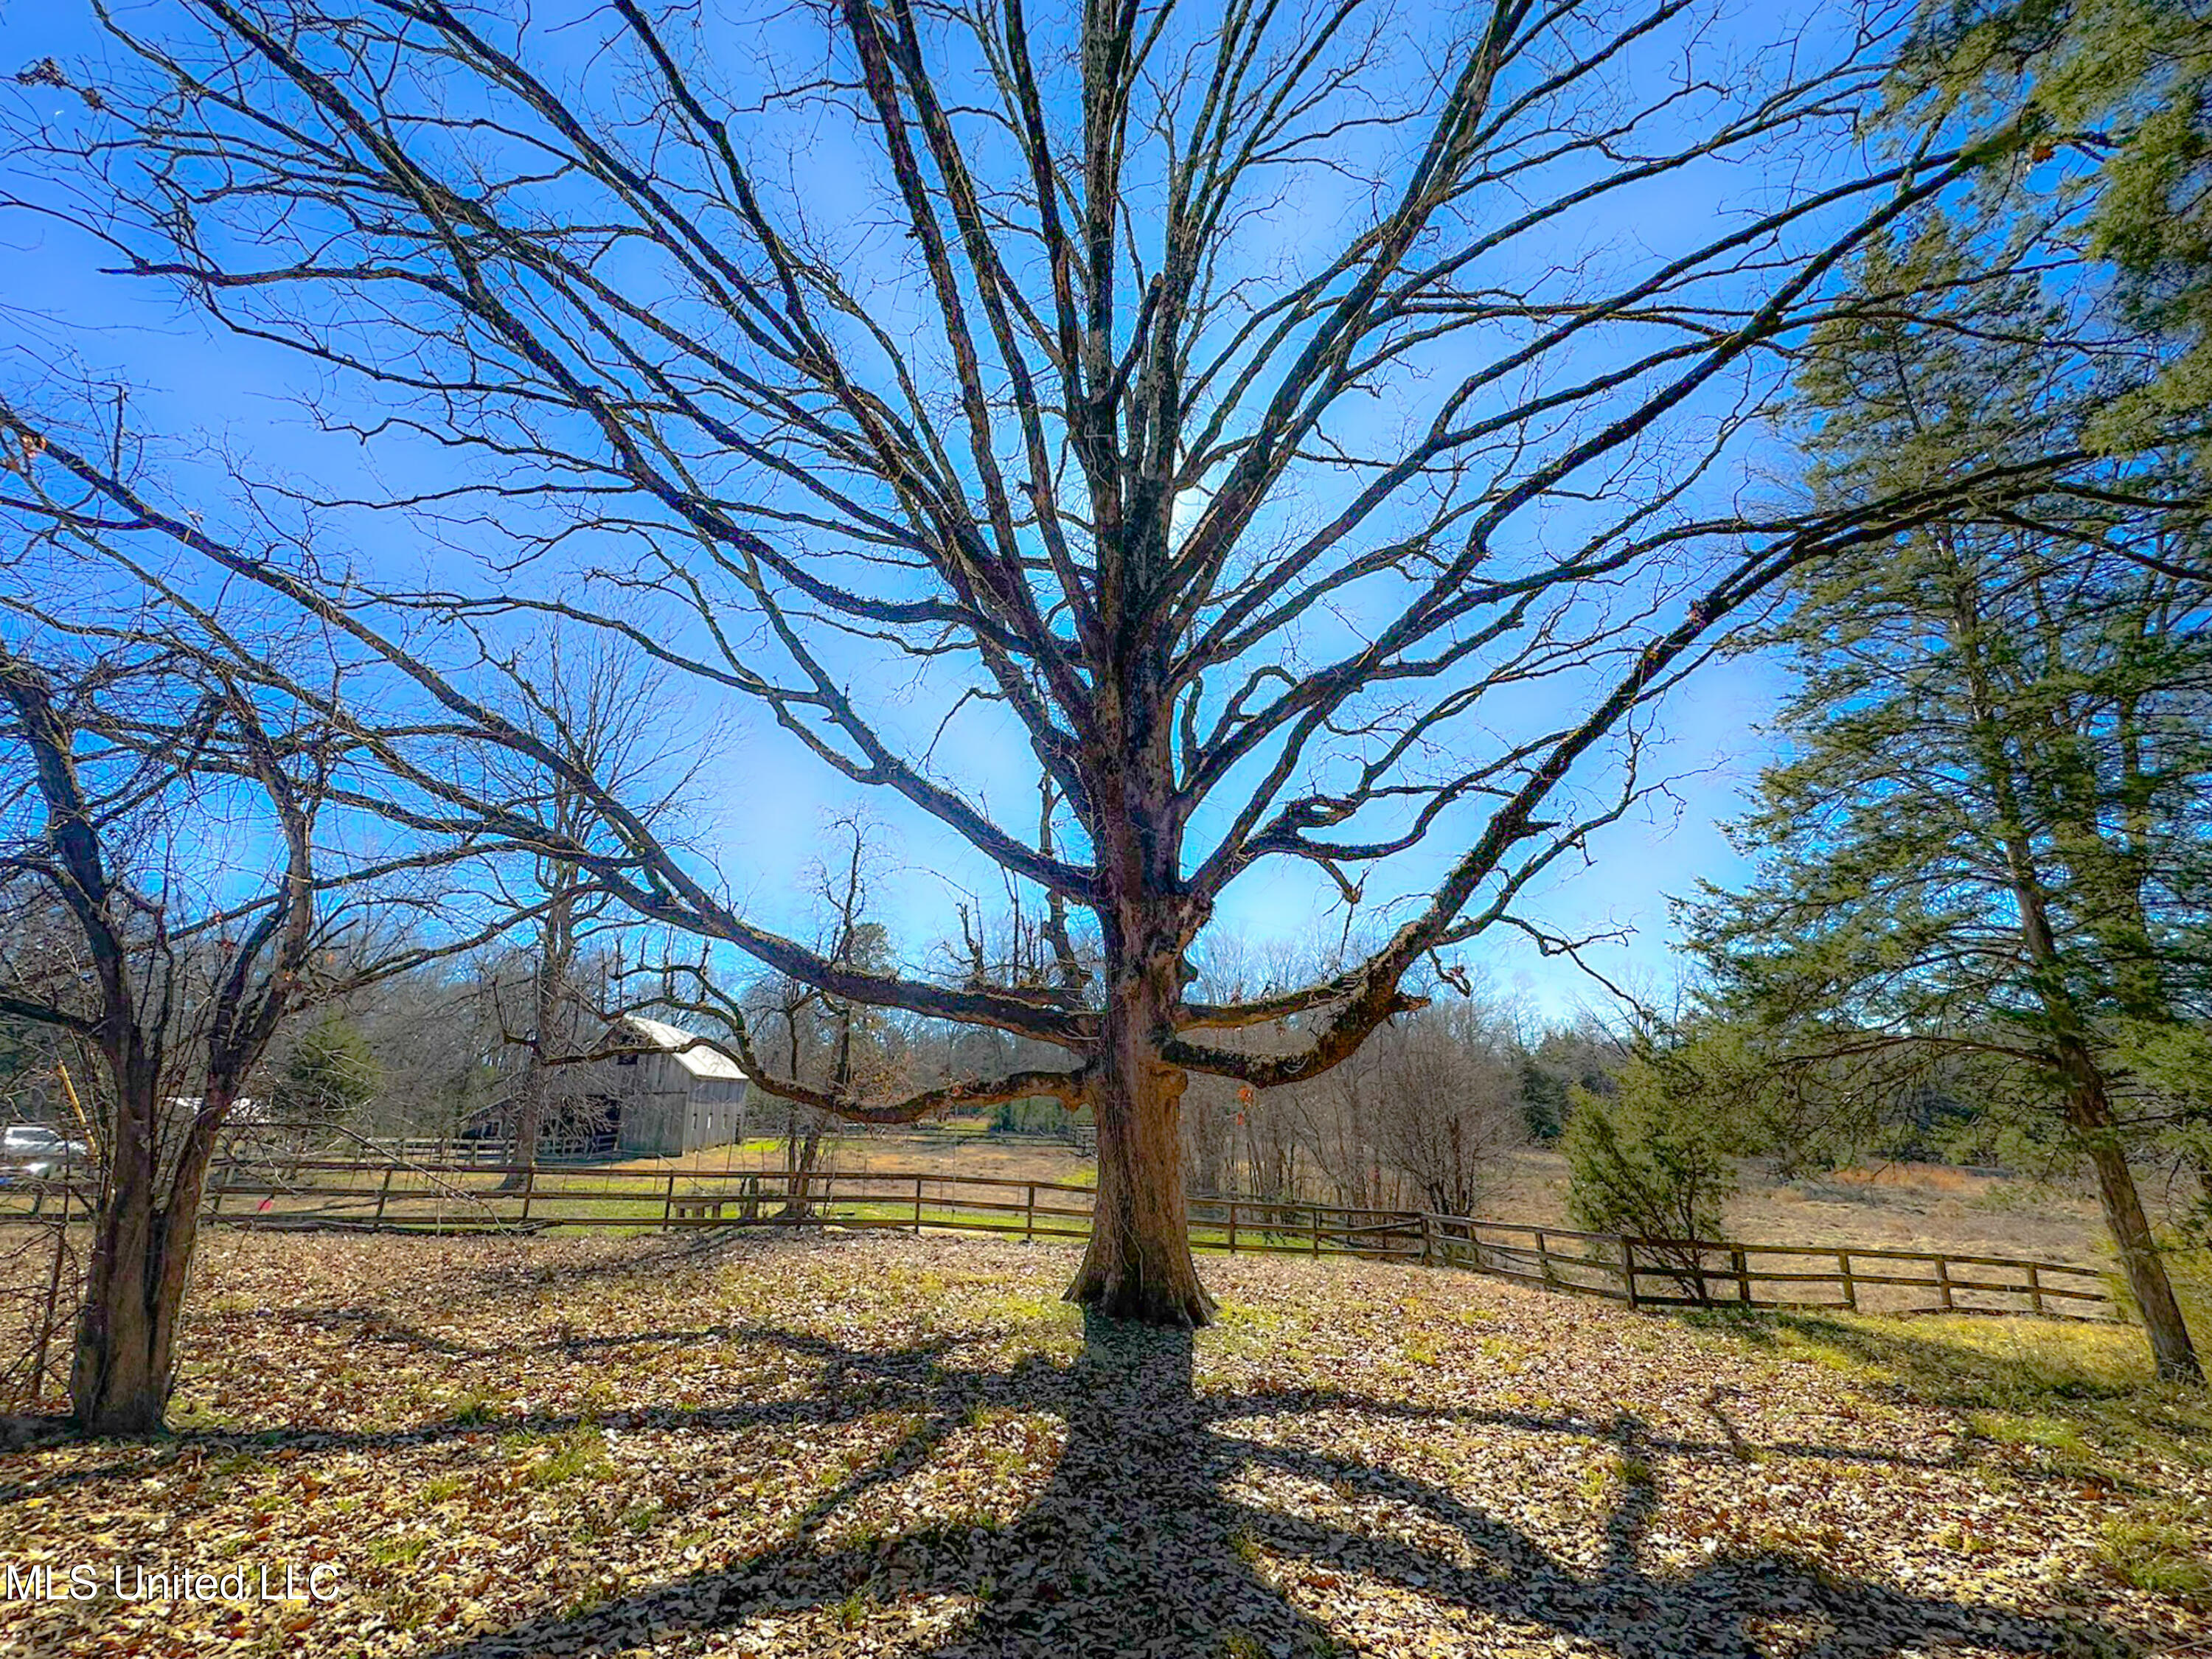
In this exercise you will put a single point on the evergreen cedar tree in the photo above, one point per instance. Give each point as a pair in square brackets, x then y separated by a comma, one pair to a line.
[1989, 840]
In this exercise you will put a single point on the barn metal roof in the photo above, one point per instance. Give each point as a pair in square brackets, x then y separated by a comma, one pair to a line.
[690, 1050]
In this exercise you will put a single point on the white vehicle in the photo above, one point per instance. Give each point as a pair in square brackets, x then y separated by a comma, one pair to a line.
[32, 1151]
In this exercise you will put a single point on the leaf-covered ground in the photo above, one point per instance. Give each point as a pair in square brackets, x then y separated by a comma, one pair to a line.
[888, 1445]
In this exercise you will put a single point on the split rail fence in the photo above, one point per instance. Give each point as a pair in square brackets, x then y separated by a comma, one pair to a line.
[394, 1195]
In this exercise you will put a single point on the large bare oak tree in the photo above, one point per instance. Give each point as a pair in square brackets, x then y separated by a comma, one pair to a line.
[1302, 432]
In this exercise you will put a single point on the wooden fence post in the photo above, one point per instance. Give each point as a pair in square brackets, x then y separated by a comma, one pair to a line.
[1850, 1285]
[384, 1192]
[1742, 1277]
[1943, 1281]
[1232, 1226]
[917, 1207]
[530, 1187]
[1628, 1271]
[1313, 1214]
[1428, 1243]
[53, 1295]
[2034, 1287]
[1029, 1218]
[668, 1203]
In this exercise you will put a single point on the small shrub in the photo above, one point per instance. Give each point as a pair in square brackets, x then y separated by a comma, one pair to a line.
[1656, 1159]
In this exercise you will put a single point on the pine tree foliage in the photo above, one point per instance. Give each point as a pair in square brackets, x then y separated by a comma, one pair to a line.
[1989, 839]
[2115, 98]
[331, 1075]
[1654, 1160]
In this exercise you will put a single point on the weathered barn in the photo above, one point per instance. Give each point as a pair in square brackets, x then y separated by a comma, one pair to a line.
[676, 1098]
[668, 1095]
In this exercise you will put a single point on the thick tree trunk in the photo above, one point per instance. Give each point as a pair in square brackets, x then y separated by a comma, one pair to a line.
[1138, 1264]
[120, 1384]
[142, 1257]
[124, 1363]
[556, 951]
[802, 1152]
[2090, 1115]
[529, 1117]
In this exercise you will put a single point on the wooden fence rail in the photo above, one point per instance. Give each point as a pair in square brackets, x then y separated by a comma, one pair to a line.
[473, 1196]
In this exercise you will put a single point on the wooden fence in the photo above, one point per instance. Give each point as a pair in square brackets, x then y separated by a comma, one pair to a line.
[433, 1149]
[1647, 1272]
[465, 1196]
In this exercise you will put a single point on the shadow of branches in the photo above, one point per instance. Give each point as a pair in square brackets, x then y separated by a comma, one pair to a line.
[1145, 1540]
[1174, 1521]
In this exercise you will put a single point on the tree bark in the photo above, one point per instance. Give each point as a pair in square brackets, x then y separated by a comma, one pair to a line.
[121, 1373]
[1138, 1264]
[802, 1150]
[119, 1379]
[556, 950]
[2089, 1113]
[529, 1114]
[2087, 1101]
[119, 1383]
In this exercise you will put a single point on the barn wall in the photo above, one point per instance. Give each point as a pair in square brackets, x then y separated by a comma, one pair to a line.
[714, 1112]
[652, 1124]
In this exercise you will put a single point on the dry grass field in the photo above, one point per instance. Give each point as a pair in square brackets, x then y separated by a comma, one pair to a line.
[849, 1445]
[1899, 1205]
[1905, 1206]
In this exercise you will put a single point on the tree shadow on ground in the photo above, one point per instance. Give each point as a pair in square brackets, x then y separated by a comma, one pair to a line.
[2097, 1409]
[851, 1384]
[1147, 1538]
[1142, 1543]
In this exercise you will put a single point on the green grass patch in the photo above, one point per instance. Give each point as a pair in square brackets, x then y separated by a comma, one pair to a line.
[402, 1551]
[2084, 1397]
[579, 1455]
[477, 1410]
[2161, 1560]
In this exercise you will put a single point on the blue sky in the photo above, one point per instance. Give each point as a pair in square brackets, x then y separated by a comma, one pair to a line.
[759, 801]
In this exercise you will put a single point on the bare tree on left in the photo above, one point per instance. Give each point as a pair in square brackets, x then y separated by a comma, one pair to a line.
[174, 994]
[173, 889]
